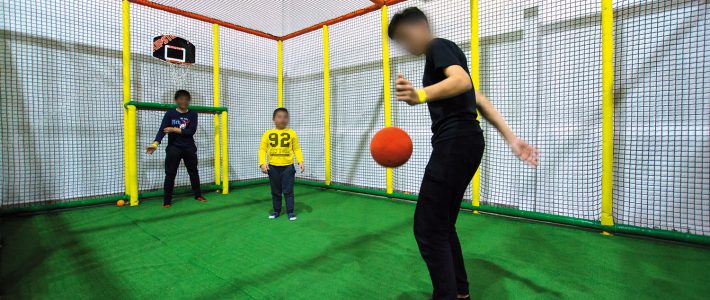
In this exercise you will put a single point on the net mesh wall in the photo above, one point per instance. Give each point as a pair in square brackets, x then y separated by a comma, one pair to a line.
[303, 97]
[662, 115]
[60, 113]
[541, 67]
[277, 17]
[450, 21]
[249, 90]
[154, 80]
[357, 100]
[299, 14]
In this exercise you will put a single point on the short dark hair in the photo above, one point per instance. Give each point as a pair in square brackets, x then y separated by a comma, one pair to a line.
[409, 15]
[280, 109]
[183, 93]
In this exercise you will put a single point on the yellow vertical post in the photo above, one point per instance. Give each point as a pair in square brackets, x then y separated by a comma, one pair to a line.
[475, 77]
[225, 155]
[126, 34]
[607, 19]
[216, 100]
[386, 81]
[326, 102]
[132, 155]
[280, 71]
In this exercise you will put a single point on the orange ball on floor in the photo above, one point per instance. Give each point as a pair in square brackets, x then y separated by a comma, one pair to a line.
[391, 147]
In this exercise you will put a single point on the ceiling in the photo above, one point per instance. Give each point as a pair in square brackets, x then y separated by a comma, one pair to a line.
[274, 17]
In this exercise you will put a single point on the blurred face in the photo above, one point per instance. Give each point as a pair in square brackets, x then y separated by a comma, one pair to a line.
[281, 120]
[182, 102]
[413, 37]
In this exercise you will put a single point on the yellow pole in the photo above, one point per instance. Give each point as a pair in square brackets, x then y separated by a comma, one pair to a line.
[216, 100]
[386, 81]
[280, 74]
[126, 30]
[132, 155]
[607, 111]
[476, 78]
[326, 102]
[225, 155]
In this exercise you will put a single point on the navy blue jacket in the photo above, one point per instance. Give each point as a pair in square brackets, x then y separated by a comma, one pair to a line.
[185, 121]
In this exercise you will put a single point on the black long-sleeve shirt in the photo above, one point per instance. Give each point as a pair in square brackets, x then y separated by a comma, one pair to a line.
[187, 122]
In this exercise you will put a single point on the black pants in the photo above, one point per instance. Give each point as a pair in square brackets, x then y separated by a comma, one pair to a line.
[173, 155]
[282, 179]
[448, 173]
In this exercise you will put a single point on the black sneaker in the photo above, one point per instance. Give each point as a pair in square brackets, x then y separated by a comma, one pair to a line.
[274, 215]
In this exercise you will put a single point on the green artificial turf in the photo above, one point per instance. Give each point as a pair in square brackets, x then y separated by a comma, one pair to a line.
[343, 246]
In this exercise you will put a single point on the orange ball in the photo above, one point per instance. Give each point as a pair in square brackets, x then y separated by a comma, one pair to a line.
[391, 147]
[120, 202]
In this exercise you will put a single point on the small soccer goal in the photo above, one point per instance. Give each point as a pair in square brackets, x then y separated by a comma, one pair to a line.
[133, 147]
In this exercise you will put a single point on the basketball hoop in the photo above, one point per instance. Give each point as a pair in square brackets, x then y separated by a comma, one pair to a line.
[179, 73]
[179, 53]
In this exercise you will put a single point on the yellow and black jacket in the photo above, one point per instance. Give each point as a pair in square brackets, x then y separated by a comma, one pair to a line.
[279, 146]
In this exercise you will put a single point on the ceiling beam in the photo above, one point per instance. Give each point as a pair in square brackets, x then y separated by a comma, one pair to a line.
[188, 14]
[375, 6]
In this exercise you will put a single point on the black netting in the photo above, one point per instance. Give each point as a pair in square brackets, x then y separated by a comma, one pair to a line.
[303, 97]
[248, 73]
[540, 64]
[541, 67]
[357, 100]
[662, 115]
[155, 80]
[60, 107]
[450, 22]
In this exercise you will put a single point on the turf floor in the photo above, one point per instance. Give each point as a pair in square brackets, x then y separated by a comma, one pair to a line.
[343, 246]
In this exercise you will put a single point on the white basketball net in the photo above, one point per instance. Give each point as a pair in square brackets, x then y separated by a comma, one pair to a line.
[180, 74]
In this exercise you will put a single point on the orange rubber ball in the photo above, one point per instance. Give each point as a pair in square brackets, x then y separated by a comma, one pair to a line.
[391, 147]
[120, 203]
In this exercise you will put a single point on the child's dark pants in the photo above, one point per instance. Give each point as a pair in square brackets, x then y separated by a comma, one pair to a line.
[448, 173]
[282, 179]
[173, 155]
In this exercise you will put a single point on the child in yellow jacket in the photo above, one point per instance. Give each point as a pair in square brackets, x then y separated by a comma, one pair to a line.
[279, 145]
